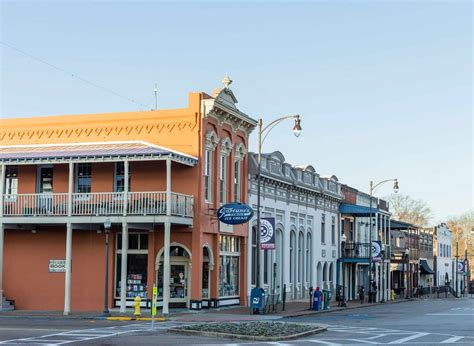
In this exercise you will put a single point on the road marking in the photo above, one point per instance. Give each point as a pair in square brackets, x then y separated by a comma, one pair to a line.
[452, 339]
[408, 338]
[443, 314]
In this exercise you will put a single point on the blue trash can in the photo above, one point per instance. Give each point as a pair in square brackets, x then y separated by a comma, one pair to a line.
[317, 300]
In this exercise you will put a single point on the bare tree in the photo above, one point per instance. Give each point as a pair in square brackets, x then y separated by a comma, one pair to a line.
[414, 211]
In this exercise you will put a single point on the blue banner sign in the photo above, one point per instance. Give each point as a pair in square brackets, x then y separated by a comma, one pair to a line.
[234, 213]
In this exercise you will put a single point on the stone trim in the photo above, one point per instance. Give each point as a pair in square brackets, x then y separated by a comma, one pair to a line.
[211, 140]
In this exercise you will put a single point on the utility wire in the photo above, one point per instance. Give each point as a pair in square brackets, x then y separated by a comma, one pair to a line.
[73, 75]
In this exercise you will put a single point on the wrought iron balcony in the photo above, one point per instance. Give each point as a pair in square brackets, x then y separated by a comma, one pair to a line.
[356, 250]
[97, 204]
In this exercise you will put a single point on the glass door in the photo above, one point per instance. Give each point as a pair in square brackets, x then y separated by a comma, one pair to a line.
[178, 282]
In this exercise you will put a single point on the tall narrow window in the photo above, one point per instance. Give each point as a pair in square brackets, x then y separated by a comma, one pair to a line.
[119, 177]
[83, 178]
[323, 228]
[333, 231]
[11, 180]
[208, 176]
[237, 181]
[223, 180]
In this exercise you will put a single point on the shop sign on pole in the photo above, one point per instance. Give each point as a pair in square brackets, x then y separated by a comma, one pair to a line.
[376, 250]
[267, 233]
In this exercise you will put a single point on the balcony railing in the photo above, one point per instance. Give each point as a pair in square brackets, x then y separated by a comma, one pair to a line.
[97, 204]
[356, 250]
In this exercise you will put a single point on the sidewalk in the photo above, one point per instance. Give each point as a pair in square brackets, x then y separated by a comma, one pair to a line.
[239, 313]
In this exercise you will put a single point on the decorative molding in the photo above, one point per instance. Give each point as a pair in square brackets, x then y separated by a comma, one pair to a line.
[71, 132]
[226, 146]
[211, 140]
[240, 152]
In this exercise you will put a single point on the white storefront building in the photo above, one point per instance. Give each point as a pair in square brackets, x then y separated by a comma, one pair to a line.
[306, 211]
[443, 252]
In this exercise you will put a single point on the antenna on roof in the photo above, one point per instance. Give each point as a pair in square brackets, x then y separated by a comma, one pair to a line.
[156, 97]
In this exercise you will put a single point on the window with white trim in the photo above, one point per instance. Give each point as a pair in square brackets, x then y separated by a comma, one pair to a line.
[119, 177]
[223, 180]
[323, 228]
[229, 266]
[333, 231]
[237, 175]
[83, 177]
[208, 175]
[11, 180]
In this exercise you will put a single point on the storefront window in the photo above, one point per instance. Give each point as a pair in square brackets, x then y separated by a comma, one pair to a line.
[137, 265]
[229, 268]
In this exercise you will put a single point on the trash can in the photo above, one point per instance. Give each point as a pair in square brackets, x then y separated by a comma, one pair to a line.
[257, 300]
[327, 298]
[317, 299]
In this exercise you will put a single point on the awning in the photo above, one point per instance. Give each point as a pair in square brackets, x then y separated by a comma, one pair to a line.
[357, 210]
[425, 267]
[90, 152]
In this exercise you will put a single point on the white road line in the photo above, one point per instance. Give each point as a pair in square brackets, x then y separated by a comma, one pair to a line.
[363, 341]
[322, 342]
[408, 338]
[443, 314]
[452, 339]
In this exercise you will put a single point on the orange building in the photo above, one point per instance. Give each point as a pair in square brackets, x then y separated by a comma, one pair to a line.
[63, 181]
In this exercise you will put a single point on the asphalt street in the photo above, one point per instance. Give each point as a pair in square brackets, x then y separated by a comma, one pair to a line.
[427, 322]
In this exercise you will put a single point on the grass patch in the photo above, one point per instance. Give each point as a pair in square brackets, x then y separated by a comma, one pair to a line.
[254, 328]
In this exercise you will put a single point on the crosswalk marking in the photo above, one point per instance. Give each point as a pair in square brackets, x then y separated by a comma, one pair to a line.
[452, 339]
[408, 338]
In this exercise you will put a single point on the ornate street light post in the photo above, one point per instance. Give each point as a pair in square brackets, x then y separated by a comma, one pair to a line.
[264, 131]
[373, 188]
[107, 225]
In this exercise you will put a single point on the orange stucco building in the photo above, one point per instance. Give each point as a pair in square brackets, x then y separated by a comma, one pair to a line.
[64, 192]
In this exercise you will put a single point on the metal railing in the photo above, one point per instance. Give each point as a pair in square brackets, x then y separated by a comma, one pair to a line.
[356, 250]
[97, 204]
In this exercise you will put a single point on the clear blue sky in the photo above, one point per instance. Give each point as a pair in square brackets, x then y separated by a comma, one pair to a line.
[384, 88]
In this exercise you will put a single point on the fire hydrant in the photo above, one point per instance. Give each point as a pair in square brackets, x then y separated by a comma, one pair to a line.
[392, 295]
[136, 305]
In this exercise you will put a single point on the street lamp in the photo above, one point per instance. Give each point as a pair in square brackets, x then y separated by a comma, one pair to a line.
[343, 247]
[373, 188]
[264, 131]
[407, 261]
[107, 225]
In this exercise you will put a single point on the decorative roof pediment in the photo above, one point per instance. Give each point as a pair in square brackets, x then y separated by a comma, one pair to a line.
[226, 97]
[222, 106]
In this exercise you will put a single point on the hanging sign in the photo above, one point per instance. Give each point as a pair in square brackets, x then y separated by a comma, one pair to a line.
[234, 213]
[376, 250]
[267, 233]
[460, 267]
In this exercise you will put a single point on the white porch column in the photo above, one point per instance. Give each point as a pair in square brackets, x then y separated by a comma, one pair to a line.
[250, 263]
[2, 230]
[125, 187]
[167, 241]
[123, 272]
[70, 188]
[286, 254]
[67, 276]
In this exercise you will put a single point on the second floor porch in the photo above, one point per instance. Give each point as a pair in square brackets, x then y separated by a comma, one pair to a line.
[88, 181]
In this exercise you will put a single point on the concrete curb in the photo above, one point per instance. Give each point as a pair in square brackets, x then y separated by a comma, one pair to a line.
[314, 331]
[312, 312]
[103, 318]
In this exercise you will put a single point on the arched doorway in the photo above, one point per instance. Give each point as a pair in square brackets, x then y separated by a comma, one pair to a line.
[180, 275]
[319, 276]
[279, 262]
[293, 262]
[325, 276]
[207, 267]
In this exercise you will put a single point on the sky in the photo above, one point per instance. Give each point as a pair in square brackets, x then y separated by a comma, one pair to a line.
[384, 88]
